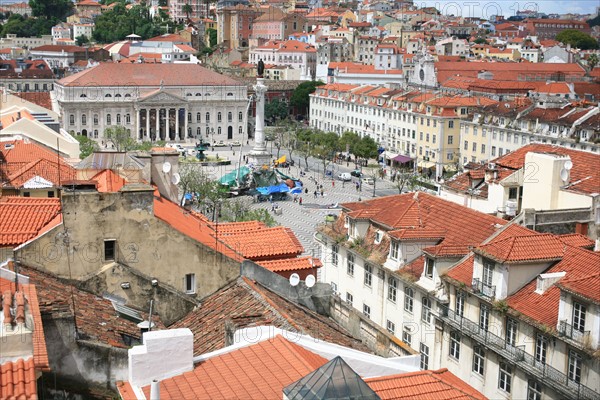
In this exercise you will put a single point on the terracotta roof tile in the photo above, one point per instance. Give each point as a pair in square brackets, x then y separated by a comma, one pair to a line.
[116, 74]
[418, 234]
[108, 181]
[291, 264]
[577, 240]
[18, 380]
[463, 271]
[22, 218]
[266, 243]
[440, 384]
[585, 286]
[96, 316]
[580, 265]
[415, 268]
[516, 249]
[19, 154]
[244, 304]
[267, 368]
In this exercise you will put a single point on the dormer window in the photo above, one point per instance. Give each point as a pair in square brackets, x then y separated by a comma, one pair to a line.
[378, 237]
[394, 250]
[429, 268]
[579, 311]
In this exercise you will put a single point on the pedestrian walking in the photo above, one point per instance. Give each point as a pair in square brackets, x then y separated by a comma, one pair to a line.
[315, 193]
[322, 195]
[332, 183]
[357, 186]
[300, 200]
[306, 191]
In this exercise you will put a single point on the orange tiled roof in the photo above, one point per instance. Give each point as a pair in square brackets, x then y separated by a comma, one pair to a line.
[440, 384]
[579, 265]
[117, 74]
[108, 181]
[245, 303]
[50, 170]
[291, 264]
[577, 240]
[585, 286]
[22, 218]
[516, 249]
[18, 154]
[463, 272]
[268, 243]
[418, 234]
[267, 367]
[18, 380]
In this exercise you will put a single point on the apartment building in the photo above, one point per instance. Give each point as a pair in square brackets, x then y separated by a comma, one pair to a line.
[512, 311]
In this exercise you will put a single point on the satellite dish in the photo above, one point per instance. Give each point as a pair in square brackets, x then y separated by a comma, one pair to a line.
[564, 175]
[175, 178]
[166, 167]
[294, 279]
[310, 281]
[568, 165]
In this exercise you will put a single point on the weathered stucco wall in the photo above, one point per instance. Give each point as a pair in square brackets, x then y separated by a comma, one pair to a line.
[75, 249]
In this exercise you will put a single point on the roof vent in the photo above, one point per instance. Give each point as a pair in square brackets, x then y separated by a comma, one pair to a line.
[9, 146]
[545, 281]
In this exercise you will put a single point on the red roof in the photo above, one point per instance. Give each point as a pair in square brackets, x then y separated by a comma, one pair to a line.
[118, 74]
[585, 286]
[41, 99]
[22, 218]
[516, 249]
[18, 380]
[577, 240]
[58, 48]
[264, 244]
[259, 371]
[426, 385]
[291, 264]
[108, 181]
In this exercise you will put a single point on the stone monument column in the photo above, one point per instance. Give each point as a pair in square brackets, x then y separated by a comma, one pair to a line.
[259, 154]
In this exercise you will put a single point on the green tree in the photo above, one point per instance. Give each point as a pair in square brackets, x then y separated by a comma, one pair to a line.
[239, 210]
[120, 137]
[480, 40]
[305, 144]
[348, 140]
[187, 10]
[300, 97]
[51, 9]
[366, 148]
[325, 146]
[577, 39]
[86, 146]
[592, 61]
[276, 110]
[119, 22]
[212, 34]
[81, 40]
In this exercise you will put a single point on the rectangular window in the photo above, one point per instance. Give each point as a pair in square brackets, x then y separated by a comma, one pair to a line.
[488, 273]
[511, 331]
[391, 327]
[575, 366]
[429, 268]
[334, 254]
[483, 149]
[478, 359]
[334, 287]
[460, 304]
[474, 146]
[534, 390]
[190, 283]
[349, 298]
[579, 316]
[426, 310]
[395, 246]
[493, 151]
[368, 275]
[50, 193]
[109, 249]
[466, 145]
[366, 311]
[541, 347]
[455, 344]
[505, 377]
[350, 264]
[484, 317]
[408, 299]
[406, 335]
[392, 289]
[424, 351]
[450, 125]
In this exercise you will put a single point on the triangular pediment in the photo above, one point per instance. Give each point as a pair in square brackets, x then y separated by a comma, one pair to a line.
[160, 96]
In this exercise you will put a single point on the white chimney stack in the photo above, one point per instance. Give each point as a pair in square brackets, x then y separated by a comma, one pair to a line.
[164, 354]
[155, 390]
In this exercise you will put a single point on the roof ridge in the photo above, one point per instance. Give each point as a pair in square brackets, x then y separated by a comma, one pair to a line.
[271, 304]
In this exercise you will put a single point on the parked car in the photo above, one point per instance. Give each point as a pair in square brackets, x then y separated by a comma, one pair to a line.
[356, 173]
[368, 181]
[344, 176]
[220, 143]
[235, 143]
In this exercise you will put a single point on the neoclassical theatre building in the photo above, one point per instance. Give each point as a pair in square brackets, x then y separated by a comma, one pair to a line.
[172, 102]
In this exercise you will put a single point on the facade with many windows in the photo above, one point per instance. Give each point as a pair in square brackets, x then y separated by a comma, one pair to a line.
[507, 309]
[172, 102]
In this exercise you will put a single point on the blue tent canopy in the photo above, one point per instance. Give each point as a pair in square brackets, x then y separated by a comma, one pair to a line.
[281, 188]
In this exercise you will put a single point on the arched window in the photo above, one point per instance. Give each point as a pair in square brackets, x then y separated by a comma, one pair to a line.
[118, 118]
[240, 116]
[189, 117]
[82, 95]
[218, 130]
[198, 131]
[240, 130]
[198, 95]
[198, 117]
[229, 116]
[230, 94]
[219, 116]
[71, 119]
[83, 119]
[188, 94]
[127, 118]
[117, 95]
[108, 95]
[108, 119]
[127, 95]
[207, 117]
[95, 119]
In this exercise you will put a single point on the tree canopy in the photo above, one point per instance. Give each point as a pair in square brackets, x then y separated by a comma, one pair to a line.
[366, 148]
[51, 9]
[276, 110]
[300, 98]
[86, 146]
[577, 39]
[28, 27]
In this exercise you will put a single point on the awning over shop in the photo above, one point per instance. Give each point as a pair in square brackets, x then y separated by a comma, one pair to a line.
[401, 159]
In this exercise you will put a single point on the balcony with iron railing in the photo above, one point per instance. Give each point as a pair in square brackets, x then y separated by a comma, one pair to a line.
[487, 290]
[568, 331]
[550, 376]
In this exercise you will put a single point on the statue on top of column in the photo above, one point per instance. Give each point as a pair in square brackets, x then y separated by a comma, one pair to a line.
[260, 70]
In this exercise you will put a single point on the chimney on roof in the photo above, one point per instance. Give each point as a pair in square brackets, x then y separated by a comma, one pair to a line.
[155, 390]
[545, 281]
